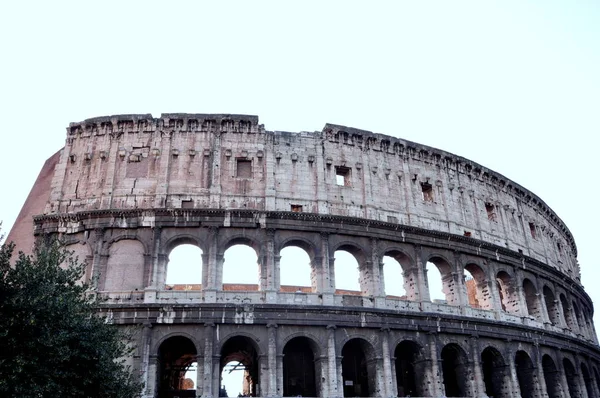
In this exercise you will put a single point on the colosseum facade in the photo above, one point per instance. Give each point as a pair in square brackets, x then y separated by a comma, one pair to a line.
[127, 190]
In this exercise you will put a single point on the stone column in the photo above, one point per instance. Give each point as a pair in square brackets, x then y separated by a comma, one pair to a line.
[514, 381]
[390, 389]
[435, 387]
[216, 375]
[150, 388]
[270, 279]
[145, 360]
[477, 373]
[271, 384]
[213, 267]
[97, 261]
[279, 391]
[541, 380]
[422, 290]
[207, 378]
[582, 388]
[332, 373]
[327, 271]
[321, 363]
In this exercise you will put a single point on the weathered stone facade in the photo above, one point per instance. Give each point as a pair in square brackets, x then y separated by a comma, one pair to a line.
[126, 190]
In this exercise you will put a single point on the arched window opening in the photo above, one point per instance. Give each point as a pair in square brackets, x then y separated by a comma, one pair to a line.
[394, 282]
[184, 270]
[239, 354]
[572, 383]
[455, 371]
[440, 282]
[589, 387]
[410, 371]
[597, 377]
[496, 376]
[177, 370]
[534, 308]
[295, 271]
[567, 312]
[525, 374]
[234, 380]
[551, 306]
[508, 294]
[299, 371]
[347, 273]
[551, 377]
[476, 284]
[358, 371]
[240, 269]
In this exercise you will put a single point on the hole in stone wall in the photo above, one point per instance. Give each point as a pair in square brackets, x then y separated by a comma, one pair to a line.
[427, 191]
[491, 211]
[342, 176]
[532, 229]
[296, 208]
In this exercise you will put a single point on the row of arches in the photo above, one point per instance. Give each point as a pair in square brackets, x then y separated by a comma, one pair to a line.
[303, 365]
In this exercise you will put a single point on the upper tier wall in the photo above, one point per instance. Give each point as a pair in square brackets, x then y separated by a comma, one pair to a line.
[230, 161]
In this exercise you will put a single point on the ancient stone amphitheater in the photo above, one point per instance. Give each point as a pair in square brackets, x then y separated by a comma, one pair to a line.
[126, 190]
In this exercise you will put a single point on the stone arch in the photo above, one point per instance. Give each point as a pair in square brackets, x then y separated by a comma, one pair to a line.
[551, 305]
[241, 348]
[410, 369]
[496, 374]
[301, 371]
[359, 368]
[532, 299]
[125, 236]
[156, 344]
[125, 265]
[552, 377]
[572, 378]
[184, 267]
[175, 355]
[455, 372]
[526, 375]
[478, 291]
[318, 346]
[284, 265]
[568, 313]
[182, 239]
[448, 282]
[509, 297]
[409, 273]
[246, 276]
[364, 275]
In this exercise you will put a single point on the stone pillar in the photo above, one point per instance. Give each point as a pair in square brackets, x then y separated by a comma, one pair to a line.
[514, 381]
[269, 280]
[479, 384]
[394, 377]
[97, 261]
[435, 386]
[581, 381]
[422, 290]
[539, 371]
[145, 360]
[207, 377]
[523, 311]
[327, 271]
[216, 375]
[270, 386]
[213, 267]
[389, 389]
[542, 301]
[332, 373]
[150, 388]
[279, 391]
[459, 296]
[321, 363]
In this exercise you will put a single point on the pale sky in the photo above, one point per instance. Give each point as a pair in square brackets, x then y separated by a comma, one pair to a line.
[513, 85]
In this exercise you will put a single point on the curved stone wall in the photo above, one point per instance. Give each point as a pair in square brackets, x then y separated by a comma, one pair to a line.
[129, 189]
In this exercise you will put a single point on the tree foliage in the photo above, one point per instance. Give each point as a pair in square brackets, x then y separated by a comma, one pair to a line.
[53, 343]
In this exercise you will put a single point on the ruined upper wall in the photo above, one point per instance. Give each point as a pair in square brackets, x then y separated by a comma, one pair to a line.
[231, 162]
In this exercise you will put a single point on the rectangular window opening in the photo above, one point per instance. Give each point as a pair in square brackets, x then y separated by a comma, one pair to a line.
[489, 208]
[427, 190]
[244, 168]
[342, 176]
[532, 229]
[296, 208]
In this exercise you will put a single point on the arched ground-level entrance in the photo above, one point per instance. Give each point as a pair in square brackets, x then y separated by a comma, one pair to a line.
[242, 350]
[299, 368]
[408, 377]
[176, 355]
[358, 368]
[496, 375]
[454, 368]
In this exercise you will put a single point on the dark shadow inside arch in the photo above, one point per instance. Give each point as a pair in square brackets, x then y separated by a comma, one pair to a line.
[410, 372]
[300, 369]
[532, 300]
[567, 312]
[551, 377]
[358, 371]
[589, 387]
[525, 374]
[496, 375]
[242, 349]
[571, 376]
[454, 370]
[551, 306]
[176, 355]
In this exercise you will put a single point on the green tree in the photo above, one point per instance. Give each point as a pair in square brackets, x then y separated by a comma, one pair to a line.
[53, 343]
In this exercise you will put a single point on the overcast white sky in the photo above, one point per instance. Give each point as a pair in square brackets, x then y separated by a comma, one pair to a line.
[513, 85]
